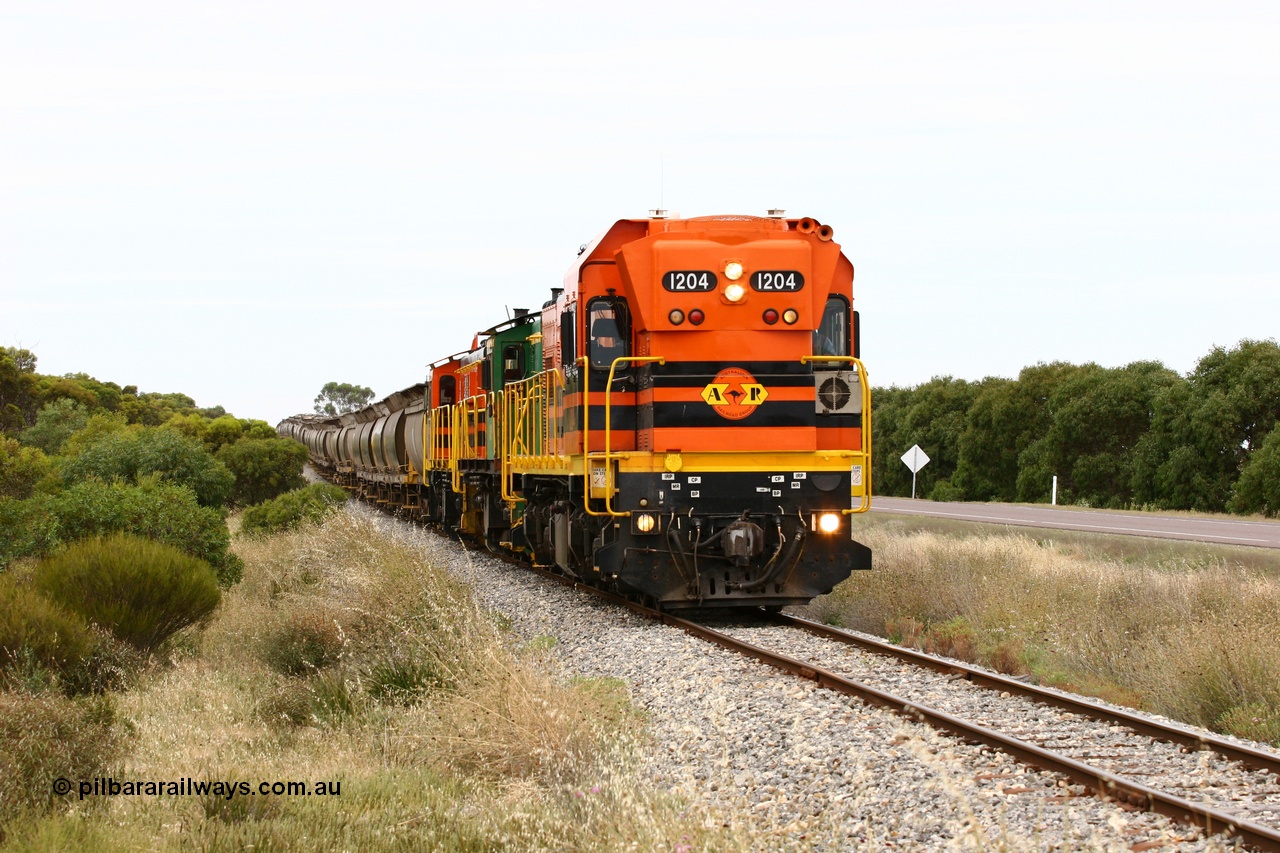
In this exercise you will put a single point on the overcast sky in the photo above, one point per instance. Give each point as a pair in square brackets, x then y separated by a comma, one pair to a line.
[245, 200]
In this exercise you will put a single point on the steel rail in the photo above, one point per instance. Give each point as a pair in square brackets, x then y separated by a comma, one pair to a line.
[1171, 732]
[1104, 783]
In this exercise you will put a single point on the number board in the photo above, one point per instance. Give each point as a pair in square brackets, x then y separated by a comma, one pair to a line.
[777, 280]
[689, 281]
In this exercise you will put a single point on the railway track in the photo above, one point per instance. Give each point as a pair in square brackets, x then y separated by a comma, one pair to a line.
[1222, 788]
[1192, 777]
[1196, 778]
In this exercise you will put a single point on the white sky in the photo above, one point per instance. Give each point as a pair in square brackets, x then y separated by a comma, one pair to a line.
[245, 200]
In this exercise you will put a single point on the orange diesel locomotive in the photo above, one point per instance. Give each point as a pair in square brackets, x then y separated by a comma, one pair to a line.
[686, 420]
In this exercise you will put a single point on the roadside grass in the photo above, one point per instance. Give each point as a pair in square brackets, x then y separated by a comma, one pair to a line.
[343, 657]
[1182, 629]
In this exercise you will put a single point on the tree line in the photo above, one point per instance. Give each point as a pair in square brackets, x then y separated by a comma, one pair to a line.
[81, 457]
[1138, 436]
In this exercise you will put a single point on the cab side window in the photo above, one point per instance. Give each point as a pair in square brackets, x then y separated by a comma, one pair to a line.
[609, 331]
[832, 335]
[568, 337]
[512, 363]
[448, 390]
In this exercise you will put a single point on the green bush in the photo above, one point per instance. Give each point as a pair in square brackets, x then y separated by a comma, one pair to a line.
[47, 736]
[37, 637]
[264, 468]
[30, 529]
[141, 591]
[21, 468]
[55, 423]
[291, 509]
[166, 453]
[162, 511]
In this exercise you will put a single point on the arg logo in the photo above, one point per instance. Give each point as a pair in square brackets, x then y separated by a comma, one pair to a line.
[734, 393]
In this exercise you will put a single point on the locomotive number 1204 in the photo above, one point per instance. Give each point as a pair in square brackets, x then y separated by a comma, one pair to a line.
[689, 281]
[775, 280]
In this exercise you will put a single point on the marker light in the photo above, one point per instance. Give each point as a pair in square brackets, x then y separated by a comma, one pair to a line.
[733, 271]
[828, 522]
[644, 522]
[676, 316]
[770, 316]
[790, 316]
[735, 292]
[696, 316]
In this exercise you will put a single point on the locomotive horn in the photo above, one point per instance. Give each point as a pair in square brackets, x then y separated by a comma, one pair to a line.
[806, 225]
[824, 233]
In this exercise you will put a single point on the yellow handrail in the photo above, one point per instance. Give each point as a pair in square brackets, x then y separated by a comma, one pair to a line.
[586, 432]
[865, 449]
[531, 431]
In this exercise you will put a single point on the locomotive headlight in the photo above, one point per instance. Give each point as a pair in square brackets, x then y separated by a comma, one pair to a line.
[735, 292]
[829, 522]
[733, 271]
[644, 522]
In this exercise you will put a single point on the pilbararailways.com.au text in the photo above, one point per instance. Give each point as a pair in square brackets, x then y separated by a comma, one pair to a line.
[188, 787]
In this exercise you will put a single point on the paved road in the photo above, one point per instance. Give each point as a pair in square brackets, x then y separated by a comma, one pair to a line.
[1263, 534]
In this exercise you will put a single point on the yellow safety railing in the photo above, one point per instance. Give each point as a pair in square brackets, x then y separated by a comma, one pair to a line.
[608, 456]
[468, 416]
[863, 453]
[532, 435]
[437, 443]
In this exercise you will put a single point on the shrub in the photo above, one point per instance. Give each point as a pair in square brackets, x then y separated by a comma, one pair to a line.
[142, 591]
[162, 511]
[309, 504]
[264, 468]
[100, 424]
[164, 452]
[44, 737]
[30, 528]
[308, 640]
[21, 468]
[223, 430]
[37, 637]
[55, 423]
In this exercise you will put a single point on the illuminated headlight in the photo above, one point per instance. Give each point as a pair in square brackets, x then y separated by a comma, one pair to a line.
[735, 292]
[733, 271]
[644, 523]
[828, 522]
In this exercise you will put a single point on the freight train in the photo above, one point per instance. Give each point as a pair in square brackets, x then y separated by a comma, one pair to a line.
[685, 421]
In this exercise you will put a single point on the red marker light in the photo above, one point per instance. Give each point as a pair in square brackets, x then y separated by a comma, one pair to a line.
[770, 316]
[696, 317]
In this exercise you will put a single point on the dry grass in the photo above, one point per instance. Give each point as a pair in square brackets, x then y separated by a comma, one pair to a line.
[440, 735]
[1183, 632]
